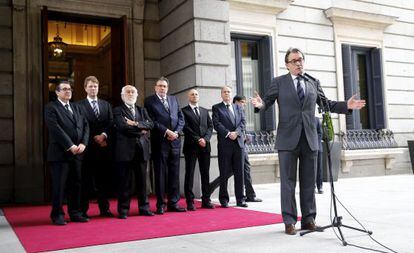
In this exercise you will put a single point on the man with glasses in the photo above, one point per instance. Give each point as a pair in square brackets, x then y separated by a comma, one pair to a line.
[68, 136]
[168, 120]
[297, 94]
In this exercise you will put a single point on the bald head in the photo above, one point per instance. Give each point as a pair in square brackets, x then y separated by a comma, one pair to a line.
[226, 94]
[192, 96]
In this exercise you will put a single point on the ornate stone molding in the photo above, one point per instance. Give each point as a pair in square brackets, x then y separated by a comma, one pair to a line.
[261, 6]
[359, 18]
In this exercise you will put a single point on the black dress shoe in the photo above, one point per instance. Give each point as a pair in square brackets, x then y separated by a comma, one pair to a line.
[254, 199]
[242, 204]
[146, 213]
[59, 221]
[191, 207]
[122, 216]
[85, 215]
[207, 205]
[159, 210]
[176, 209]
[224, 204]
[106, 213]
[79, 218]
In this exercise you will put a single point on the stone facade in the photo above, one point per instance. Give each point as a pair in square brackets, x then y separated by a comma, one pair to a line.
[188, 41]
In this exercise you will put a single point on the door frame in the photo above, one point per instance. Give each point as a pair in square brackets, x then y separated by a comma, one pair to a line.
[29, 156]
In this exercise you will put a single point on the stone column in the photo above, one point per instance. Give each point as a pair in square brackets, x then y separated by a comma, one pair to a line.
[195, 53]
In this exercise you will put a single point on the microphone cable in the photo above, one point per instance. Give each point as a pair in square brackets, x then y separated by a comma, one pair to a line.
[333, 195]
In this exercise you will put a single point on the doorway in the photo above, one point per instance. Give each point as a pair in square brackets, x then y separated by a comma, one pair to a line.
[75, 46]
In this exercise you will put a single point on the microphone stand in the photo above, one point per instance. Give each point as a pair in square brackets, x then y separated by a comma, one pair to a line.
[337, 220]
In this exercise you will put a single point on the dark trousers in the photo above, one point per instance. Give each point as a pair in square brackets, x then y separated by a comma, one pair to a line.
[231, 159]
[204, 165]
[319, 170]
[167, 176]
[125, 171]
[66, 175]
[288, 160]
[96, 179]
[247, 178]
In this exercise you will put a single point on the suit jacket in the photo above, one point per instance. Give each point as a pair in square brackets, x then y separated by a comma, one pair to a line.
[128, 138]
[97, 125]
[195, 129]
[164, 120]
[292, 115]
[65, 130]
[223, 124]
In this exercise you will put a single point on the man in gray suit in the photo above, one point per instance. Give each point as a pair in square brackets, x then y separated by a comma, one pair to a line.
[296, 94]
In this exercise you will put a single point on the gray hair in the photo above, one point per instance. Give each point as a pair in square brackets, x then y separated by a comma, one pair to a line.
[128, 86]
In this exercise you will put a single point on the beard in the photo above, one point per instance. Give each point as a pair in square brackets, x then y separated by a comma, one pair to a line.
[130, 101]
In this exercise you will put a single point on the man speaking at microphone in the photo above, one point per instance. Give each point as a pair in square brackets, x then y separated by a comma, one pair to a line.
[297, 94]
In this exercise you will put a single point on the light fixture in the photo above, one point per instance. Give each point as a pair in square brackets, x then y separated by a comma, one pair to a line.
[57, 48]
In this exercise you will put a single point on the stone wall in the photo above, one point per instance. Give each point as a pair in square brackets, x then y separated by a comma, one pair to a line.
[6, 102]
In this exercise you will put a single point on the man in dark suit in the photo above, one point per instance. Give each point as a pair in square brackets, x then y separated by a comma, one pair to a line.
[248, 185]
[166, 145]
[68, 136]
[229, 122]
[198, 130]
[296, 94]
[97, 161]
[132, 125]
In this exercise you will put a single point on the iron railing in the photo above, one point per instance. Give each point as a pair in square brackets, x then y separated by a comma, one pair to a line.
[367, 139]
[260, 142]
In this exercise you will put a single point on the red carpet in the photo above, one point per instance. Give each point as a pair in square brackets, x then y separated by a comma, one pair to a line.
[36, 233]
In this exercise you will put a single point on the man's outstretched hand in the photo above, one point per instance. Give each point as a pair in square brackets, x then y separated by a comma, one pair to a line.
[356, 104]
[257, 101]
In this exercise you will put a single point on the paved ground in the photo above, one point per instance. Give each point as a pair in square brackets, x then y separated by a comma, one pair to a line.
[384, 205]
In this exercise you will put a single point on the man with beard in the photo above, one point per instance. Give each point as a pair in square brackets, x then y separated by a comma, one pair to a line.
[132, 125]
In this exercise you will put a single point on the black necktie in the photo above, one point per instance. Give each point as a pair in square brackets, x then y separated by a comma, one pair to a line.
[196, 112]
[299, 90]
[233, 120]
[68, 109]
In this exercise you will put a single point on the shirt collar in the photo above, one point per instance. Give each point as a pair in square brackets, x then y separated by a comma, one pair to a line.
[90, 99]
[161, 97]
[63, 103]
[193, 106]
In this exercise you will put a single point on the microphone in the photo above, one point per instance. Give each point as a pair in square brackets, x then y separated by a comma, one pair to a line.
[327, 126]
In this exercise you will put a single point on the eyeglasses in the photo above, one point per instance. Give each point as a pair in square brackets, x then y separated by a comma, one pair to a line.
[66, 89]
[294, 61]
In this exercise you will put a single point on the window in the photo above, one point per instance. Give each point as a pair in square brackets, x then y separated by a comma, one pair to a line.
[363, 75]
[251, 68]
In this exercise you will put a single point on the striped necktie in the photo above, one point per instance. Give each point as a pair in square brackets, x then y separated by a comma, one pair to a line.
[165, 103]
[299, 90]
[95, 108]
